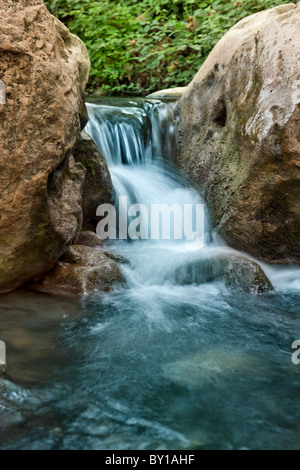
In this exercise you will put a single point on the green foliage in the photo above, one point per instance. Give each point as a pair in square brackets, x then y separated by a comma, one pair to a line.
[140, 46]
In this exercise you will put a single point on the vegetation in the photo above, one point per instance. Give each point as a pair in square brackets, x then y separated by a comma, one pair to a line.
[140, 46]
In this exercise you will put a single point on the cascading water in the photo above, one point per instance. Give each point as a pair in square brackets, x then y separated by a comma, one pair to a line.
[130, 131]
[139, 144]
[173, 360]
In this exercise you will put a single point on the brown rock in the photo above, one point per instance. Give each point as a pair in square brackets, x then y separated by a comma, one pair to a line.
[88, 238]
[81, 270]
[45, 70]
[97, 188]
[83, 255]
[240, 136]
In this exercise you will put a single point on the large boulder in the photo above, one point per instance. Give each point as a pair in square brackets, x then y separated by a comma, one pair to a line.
[45, 71]
[240, 134]
[81, 270]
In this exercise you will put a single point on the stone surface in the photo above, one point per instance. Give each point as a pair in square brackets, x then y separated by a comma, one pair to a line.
[213, 365]
[239, 272]
[88, 238]
[244, 274]
[97, 188]
[3, 372]
[45, 70]
[240, 134]
[81, 270]
[169, 93]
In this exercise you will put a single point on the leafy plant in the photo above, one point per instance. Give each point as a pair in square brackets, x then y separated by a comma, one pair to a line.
[140, 46]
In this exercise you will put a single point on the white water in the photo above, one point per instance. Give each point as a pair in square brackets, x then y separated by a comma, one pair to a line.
[147, 176]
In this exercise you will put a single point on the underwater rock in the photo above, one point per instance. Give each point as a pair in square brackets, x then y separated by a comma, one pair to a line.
[81, 270]
[240, 134]
[45, 70]
[214, 366]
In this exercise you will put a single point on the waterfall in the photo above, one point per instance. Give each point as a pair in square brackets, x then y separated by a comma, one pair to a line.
[133, 131]
[138, 139]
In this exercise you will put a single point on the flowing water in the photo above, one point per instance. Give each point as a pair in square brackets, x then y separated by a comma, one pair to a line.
[174, 360]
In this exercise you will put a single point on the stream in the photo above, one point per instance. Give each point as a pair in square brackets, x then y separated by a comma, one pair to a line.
[174, 359]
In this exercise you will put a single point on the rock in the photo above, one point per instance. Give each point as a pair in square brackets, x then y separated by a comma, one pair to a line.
[3, 372]
[240, 134]
[239, 272]
[81, 270]
[88, 238]
[83, 255]
[65, 199]
[117, 258]
[244, 274]
[170, 93]
[45, 71]
[214, 365]
[97, 188]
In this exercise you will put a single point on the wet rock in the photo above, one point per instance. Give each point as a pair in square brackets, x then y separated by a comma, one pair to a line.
[65, 200]
[88, 238]
[242, 273]
[116, 258]
[81, 270]
[45, 71]
[238, 272]
[240, 134]
[84, 255]
[16, 404]
[3, 372]
[97, 187]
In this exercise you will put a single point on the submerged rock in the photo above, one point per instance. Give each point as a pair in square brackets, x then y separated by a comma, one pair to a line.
[214, 366]
[45, 70]
[240, 134]
[97, 187]
[81, 270]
